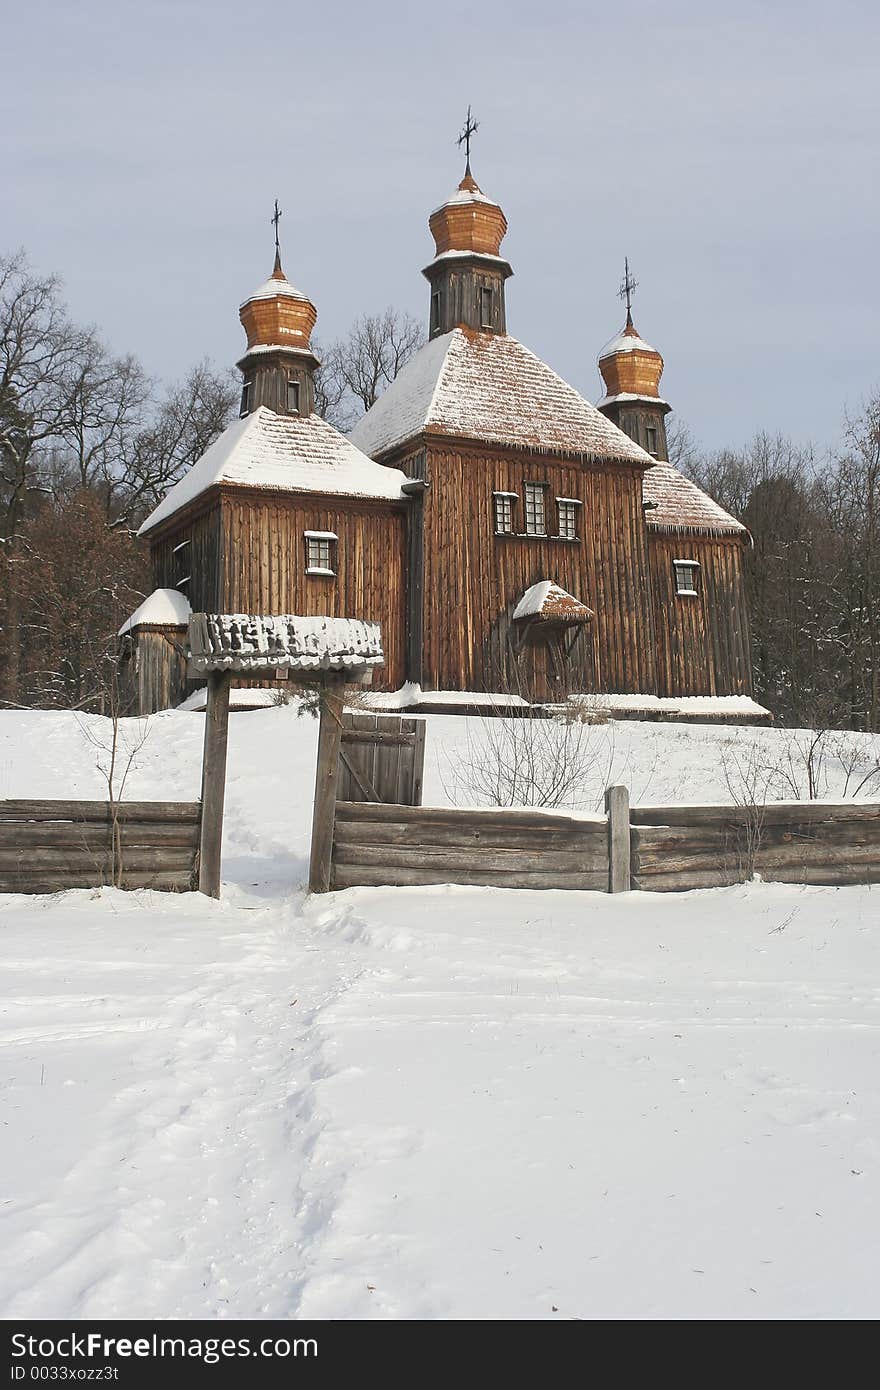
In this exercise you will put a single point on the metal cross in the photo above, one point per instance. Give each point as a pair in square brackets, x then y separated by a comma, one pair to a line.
[276, 218]
[627, 285]
[470, 128]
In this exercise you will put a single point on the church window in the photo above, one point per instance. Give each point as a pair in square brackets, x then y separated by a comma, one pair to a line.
[568, 517]
[504, 513]
[485, 308]
[651, 437]
[321, 552]
[293, 397]
[247, 392]
[435, 311]
[686, 572]
[536, 509]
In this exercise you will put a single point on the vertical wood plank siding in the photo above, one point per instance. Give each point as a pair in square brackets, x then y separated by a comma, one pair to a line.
[200, 559]
[703, 641]
[263, 564]
[474, 579]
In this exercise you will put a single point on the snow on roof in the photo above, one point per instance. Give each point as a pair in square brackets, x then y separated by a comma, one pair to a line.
[272, 288]
[163, 608]
[488, 386]
[465, 195]
[289, 453]
[548, 601]
[470, 256]
[626, 342]
[248, 642]
[630, 396]
[681, 505]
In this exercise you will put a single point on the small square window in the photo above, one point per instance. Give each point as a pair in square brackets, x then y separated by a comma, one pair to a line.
[247, 392]
[568, 514]
[536, 509]
[486, 307]
[686, 572]
[293, 398]
[504, 513]
[321, 553]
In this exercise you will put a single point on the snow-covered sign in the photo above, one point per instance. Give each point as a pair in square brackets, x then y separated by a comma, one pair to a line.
[248, 642]
[548, 603]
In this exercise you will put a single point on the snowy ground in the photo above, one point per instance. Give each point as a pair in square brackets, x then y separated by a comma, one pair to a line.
[429, 1103]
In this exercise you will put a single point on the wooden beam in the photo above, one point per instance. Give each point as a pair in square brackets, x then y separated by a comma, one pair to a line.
[617, 809]
[214, 782]
[326, 782]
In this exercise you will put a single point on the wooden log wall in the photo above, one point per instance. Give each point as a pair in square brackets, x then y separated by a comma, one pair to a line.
[48, 846]
[406, 845]
[702, 642]
[683, 847]
[153, 672]
[473, 579]
[263, 565]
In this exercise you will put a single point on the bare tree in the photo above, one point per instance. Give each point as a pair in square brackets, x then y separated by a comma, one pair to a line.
[357, 369]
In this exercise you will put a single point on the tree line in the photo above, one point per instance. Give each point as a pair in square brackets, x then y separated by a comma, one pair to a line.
[89, 443]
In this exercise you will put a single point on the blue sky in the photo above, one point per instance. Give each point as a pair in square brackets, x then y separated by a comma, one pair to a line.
[730, 152]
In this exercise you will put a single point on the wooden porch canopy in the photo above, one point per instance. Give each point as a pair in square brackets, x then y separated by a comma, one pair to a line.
[326, 651]
[546, 602]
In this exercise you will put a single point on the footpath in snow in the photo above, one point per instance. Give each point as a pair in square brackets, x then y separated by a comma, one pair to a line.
[429, 1103]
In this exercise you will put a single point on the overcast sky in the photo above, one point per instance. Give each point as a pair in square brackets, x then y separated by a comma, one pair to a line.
[731, 151]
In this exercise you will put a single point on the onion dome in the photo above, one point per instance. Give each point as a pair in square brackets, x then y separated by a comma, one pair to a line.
[468, 222]
[629, 365]
[278, 315]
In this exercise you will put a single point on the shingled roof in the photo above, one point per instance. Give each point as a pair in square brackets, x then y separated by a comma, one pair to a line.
[679, 505]
[289, 453]
[489, 387]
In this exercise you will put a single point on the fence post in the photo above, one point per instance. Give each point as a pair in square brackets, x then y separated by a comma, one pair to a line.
[214, 781]
[326, 780]
[617, 810]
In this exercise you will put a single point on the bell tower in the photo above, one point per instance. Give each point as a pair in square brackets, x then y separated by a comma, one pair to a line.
[278, 364]
[468, 272]
[631, 370]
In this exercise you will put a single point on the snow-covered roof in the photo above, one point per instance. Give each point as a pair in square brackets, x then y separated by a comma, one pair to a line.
[626, 342]
[248, 642]
[630, 396]
[287, 453]
[549, 602]
[163, 608]
[488, 386]
[470, 194]
[274, 287]
[681, 505]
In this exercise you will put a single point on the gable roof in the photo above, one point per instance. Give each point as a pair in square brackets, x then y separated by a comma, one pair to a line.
[287, 453]
[489, 387]
[681, 505]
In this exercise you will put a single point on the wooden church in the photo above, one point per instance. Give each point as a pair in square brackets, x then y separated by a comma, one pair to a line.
[508, 536]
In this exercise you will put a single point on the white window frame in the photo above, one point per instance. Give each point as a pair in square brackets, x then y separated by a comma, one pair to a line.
[320, 548]
[508, 499]
[536, 503]
[694, 567]
[570, 506]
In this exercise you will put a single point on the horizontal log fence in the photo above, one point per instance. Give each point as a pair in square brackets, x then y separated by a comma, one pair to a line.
[654, 848]
[48, 846]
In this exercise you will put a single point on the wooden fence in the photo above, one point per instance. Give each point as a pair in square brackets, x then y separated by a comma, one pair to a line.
[47, 846]
[381, 758]
[656, 848]
[681, 847]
